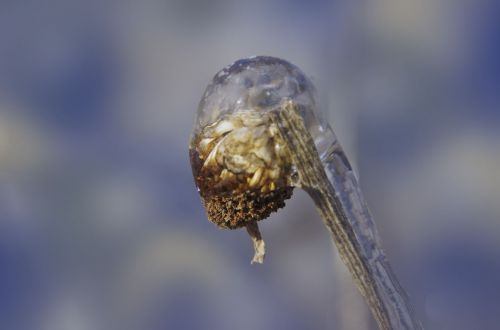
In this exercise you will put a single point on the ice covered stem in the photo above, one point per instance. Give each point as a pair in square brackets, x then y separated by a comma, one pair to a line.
[258, 133]
[332, 185]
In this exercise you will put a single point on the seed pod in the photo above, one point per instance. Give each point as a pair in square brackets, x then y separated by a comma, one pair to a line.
[241, 166]
[234, 174]
[240, 163]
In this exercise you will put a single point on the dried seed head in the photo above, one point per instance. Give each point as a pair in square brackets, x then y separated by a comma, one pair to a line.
[241, 164]
[242, 169]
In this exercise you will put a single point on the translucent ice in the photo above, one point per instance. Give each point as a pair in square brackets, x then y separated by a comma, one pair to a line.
[263, 83]
[243, 173]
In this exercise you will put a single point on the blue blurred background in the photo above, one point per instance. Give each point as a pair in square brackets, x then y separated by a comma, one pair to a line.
[101, 226]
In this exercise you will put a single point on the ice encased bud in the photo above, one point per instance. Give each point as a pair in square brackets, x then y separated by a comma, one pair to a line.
[240, 165]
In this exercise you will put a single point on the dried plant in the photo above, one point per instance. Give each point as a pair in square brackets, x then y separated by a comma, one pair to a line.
[258, 135]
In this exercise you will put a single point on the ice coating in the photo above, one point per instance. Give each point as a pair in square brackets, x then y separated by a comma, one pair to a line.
[254, 131]
[331, 183]
[263, 84]
[240, 165]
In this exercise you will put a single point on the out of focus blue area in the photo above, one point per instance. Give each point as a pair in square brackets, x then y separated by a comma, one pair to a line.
[101, 226]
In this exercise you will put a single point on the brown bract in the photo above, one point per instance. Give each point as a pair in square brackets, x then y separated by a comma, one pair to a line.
[242, 169]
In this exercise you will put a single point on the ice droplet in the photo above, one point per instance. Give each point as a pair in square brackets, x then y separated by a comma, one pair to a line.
[263, 83]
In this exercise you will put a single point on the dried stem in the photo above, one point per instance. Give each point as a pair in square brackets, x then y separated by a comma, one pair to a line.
[335, 191]
[258, 243]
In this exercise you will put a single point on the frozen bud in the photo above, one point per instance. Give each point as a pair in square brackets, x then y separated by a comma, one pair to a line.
[241, 165]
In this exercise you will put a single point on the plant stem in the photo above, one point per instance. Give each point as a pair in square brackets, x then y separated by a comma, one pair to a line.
[336, 193]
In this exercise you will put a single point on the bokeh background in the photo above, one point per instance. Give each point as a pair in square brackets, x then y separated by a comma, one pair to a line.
[101, 226]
